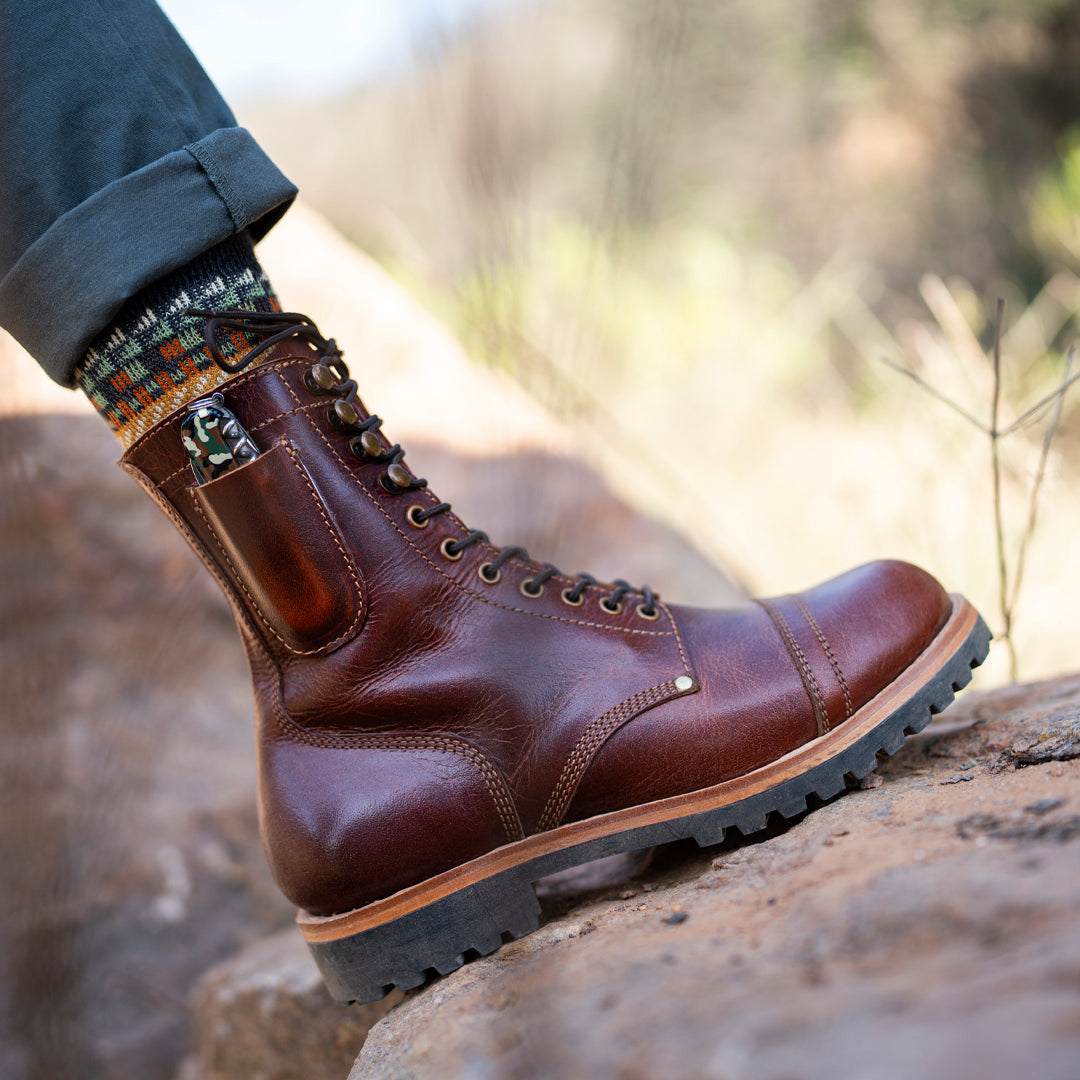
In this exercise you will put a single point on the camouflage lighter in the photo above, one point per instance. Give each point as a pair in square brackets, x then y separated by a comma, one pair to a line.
[215, 440]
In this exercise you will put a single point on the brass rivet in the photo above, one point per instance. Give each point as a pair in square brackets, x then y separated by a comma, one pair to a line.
[640, 609]
[568, 600]
[322, 377]
[399, 475]
[484, 570]
[345, 412]
[453, 556]
[371, 443]
[411, 513]
[684, 682]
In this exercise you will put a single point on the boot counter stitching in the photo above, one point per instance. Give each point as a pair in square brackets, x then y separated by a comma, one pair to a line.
[827, 648]
[493, 779]
[802, 665]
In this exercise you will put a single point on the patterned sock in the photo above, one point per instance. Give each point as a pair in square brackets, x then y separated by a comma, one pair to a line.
[152, 359]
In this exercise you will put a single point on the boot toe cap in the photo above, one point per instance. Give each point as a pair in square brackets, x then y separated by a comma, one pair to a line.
[861, 630]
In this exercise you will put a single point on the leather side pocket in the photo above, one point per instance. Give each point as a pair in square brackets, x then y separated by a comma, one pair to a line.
[276, 540]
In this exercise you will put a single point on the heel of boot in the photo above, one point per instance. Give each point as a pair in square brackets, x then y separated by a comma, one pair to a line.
[432, 940]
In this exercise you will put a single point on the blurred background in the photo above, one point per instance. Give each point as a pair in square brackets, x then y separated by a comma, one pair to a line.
[692, 231]
[623, 276]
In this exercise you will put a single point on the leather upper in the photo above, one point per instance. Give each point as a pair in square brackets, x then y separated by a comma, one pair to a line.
[412, 716]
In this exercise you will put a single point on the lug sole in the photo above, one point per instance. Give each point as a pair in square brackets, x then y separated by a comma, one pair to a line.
[435, 927]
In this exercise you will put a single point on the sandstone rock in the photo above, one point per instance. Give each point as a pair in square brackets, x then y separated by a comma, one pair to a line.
[927, 928]
[265, 1015]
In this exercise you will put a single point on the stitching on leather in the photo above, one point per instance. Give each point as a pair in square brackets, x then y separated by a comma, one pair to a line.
[678, 638]
[350, 565]
[186, 467]
[592, 738]
[348, 632]
[281, 416]
[196, 544]
[493, 779]
[827, 648]
[239, 380]
[447, 577]
[258, 427]
[806, 673]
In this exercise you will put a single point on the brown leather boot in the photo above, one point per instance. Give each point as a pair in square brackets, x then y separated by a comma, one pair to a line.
[442, 722]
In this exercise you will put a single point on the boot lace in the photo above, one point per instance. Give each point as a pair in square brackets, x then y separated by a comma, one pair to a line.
[330, 377]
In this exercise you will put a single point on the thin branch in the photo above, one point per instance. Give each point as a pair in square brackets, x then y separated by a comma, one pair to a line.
[935, 393]
[1040, 474]
[1040, 405]
[995, 465]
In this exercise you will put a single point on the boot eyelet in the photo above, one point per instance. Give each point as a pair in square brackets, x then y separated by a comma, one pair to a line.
[486, 575]
[411, 514]
[396, 478]
[640, 610]
[524, 589]
[453, 556]
[371, 444]
[319, 379]
[357, 450]
[342, 415]
[612, 609]
[567, 598]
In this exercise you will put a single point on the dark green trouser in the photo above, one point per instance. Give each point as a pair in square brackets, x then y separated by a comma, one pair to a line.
[119, 162]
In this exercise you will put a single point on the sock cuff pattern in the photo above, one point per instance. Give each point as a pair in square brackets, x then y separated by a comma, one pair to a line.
[152, 358]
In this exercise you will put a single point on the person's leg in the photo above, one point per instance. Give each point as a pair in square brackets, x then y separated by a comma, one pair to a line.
[122, 170]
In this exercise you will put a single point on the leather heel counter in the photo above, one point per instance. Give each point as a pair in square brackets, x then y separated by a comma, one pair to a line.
[345, 824]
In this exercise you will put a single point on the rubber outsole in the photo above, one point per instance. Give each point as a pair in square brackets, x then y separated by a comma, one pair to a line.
[406, 940]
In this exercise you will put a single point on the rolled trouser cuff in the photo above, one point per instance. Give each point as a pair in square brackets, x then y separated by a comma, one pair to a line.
[66, 288]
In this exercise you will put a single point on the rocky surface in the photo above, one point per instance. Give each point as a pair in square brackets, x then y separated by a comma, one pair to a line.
[128, 837]
[928, 927]
[265, 1015]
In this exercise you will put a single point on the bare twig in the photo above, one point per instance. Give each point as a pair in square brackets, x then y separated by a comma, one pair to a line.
[1040, 473]
[1050, 399]
[1009, 585]
[995, 466]
[934, 392]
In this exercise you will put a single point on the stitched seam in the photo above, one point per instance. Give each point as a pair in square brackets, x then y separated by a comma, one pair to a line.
[493, 779]
[827, 648]
[237, 381]
[255, 604]
[195, 542]
[281, 416]
[447, 577]
[806, 674]
[678, 638]
[591, 740]
[349, 564]
[258, 427]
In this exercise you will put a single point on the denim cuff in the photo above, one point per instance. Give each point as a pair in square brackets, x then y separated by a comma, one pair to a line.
[66, 288]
